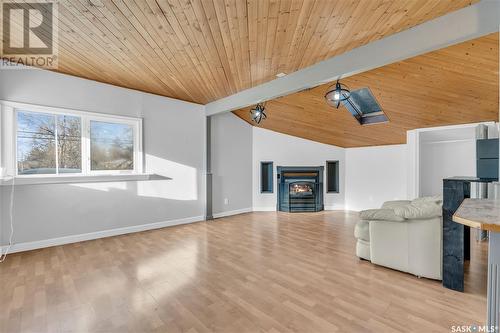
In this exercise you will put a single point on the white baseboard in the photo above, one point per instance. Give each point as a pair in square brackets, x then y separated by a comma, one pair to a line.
[264, 209]
[232, 212]
[27, 246]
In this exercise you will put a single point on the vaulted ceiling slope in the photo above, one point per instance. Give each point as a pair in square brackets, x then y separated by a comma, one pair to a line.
[203, 50]
[454, 85]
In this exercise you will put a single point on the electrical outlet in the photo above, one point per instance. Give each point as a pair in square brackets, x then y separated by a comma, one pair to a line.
[226, 201]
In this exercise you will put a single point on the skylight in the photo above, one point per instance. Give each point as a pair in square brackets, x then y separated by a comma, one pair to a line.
[364, 107]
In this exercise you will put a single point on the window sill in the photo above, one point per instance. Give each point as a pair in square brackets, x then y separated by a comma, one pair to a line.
[26, 180]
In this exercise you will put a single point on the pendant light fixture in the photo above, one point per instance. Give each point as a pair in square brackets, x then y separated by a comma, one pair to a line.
[258, 113]
[336, 94]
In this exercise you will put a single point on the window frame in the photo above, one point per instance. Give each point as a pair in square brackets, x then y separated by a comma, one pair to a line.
[86, 117]
[337, 180]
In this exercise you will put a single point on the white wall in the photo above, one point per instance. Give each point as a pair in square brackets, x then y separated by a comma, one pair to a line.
[445, 152]
[286, 150]
[231, 165]
[374, 175]
[443, 159]
[174, 145]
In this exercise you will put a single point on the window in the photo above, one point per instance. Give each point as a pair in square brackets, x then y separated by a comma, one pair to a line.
[48, 144]
[36, 143]
[51, 142]
[364, 107]
[332, 176]
[111, 146]
[266, 177]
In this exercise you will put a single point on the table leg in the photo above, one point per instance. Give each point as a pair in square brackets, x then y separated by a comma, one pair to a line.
[493, 297]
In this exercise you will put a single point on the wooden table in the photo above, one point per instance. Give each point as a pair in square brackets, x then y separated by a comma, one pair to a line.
[485, 214]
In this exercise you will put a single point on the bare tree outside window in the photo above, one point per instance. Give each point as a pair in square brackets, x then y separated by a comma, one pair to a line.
[69, 144]
[37, 144]
[55, 143]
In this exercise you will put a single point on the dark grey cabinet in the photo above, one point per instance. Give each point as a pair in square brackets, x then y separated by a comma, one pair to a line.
[487, 158]
[487, 168]
[487, 148]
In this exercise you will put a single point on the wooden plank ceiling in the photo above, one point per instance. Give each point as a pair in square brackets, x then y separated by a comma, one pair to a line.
[454, 85]
[203, 50]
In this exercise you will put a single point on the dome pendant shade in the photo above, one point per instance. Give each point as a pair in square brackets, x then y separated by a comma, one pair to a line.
[258, 113]
[336, 94]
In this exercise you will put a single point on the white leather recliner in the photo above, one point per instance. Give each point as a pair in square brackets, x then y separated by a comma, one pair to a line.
[403, 235]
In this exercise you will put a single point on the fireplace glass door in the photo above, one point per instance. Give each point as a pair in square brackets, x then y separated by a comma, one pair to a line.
[301, 197]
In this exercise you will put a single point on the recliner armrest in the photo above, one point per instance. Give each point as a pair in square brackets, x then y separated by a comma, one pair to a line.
[421, 210]
[395, 203]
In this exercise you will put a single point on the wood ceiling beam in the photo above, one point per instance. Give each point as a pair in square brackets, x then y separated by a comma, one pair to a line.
[467, 23]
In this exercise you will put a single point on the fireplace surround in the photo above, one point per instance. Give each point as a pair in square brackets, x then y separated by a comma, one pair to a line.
[300, 189]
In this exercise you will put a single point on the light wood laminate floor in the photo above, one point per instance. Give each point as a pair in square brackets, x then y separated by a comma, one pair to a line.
[257, 272]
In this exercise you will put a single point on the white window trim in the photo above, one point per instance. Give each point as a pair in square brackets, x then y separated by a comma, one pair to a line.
[8, 140]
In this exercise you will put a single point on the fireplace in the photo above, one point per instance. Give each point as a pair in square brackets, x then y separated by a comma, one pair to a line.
[300, 189]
